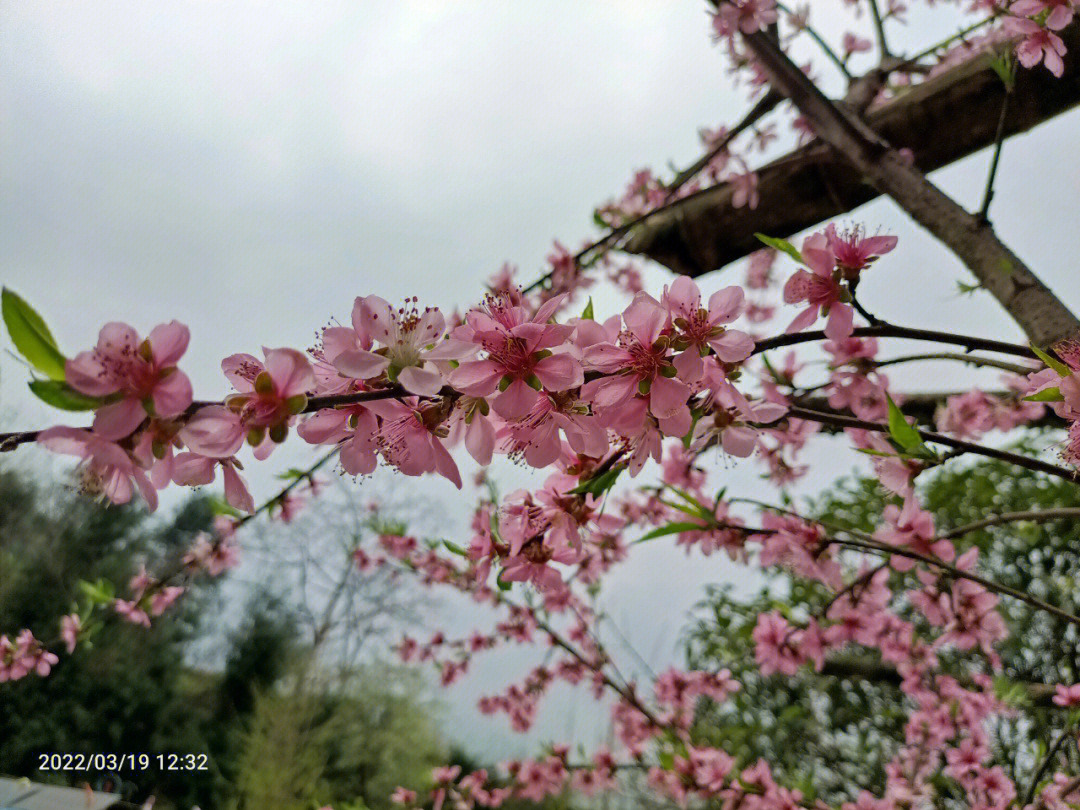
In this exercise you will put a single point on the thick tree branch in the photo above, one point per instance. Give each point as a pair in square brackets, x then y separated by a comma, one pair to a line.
[812, 184]
[1032, 305]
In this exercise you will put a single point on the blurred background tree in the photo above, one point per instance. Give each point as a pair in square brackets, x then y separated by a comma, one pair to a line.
[836, 729]
[281, 727]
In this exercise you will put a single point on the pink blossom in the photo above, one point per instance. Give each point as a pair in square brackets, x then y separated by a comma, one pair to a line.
[1039, 45]
[193, 470]
[1067, 696]
[410, 343]
[70, 628]
[519, 358]
[1059, 16]
[820, 288]
[639, 363]
[702, 329]
[138, 378]
[912, 527]
[409, 439]
[106, 470]
[269, 396]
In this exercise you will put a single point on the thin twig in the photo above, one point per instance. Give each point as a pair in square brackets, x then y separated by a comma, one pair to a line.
[968, 447]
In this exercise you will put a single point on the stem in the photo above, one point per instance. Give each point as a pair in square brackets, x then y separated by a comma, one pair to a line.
[967, 447]
[889, 330]
[999, 139]
[957, 573]
[1046, 760]
[1032, 515]
[961, 358]
[879, 26]
[814, 35]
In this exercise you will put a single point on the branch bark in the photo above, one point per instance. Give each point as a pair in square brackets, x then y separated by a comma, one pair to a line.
[1042, 316]
[705, 232]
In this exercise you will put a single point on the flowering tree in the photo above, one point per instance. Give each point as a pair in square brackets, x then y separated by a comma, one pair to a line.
[642, 395]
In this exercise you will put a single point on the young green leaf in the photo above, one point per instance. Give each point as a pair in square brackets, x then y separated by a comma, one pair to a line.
[61, 395]
[671, 528]
[31, 336]
[1061, 369]
[1046, 395]
[587, 315]
[781, 245]
[904, 434]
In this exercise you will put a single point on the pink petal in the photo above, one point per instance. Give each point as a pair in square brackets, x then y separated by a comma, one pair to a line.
[119, 419]
[878, 245]
[192, 470]
[338, 339]
[610, 390]
[67, 440]
[684, 296]
[607, 357]
[117, 340]
[738, 441]
[168, 342]
[358, 454]
[146, 489]
[667, 396]
[645, 318]
[377, 318]
[515, 401]
[85, 374]
[548, 309]
[360, 365]
[725, 305]
[172, 395]
[452, 349]
[327, 426]
[480, 439]
[237, 367]
[290, 371]
[840, 322]
[236, 490]
[444, 463]
[214, 431]
[476, 378]
[803, 319]
[559, 372]
[689, 364]
[421, 381]
[733, 346]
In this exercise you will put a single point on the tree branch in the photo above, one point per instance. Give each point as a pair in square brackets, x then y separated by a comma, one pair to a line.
[1042, 316]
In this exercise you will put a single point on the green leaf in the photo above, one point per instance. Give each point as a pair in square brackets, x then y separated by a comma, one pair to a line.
[587, 315]
[31, 336]
[904, 434]
[671, 528]
[454, 548]
[782, 245]
[219, 506]
[61, 395]
[1061, 369]
[291, 474]
[1046, 395]
[600, 484]
[99, 593]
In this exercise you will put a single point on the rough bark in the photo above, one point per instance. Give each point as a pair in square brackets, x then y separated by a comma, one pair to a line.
[812, 184]
[1042, 316]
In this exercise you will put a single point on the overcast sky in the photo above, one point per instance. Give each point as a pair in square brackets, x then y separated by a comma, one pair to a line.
[248, 168]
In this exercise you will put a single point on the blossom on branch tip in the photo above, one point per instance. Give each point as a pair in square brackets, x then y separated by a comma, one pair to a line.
[137, 378]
